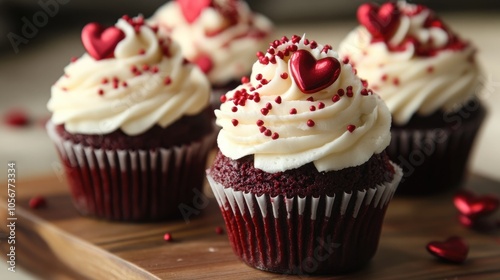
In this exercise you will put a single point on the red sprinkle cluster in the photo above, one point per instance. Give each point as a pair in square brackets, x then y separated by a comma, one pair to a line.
[426, 49]
[243, 95]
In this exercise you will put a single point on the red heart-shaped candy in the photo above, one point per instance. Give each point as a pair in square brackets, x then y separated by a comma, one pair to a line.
[313, 75]
[191, 9]
[454, 249]
[473, 206]
[381, 21]
[101, 42]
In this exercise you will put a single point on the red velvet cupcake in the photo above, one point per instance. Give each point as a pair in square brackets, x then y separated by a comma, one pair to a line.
[131, 123]
[302, 178]
[222, 37]
[429, 78]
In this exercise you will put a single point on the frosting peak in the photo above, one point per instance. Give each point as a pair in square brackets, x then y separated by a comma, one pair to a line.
[143, 81]
[302, 104]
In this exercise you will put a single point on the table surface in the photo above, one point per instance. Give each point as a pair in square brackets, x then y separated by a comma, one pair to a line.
[42, 63]
[55, 242]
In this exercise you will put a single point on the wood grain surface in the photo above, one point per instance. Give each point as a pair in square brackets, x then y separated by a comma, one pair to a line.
[55, 242]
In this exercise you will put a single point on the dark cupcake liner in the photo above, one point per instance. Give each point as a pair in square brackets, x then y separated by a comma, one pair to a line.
[310, 235]
[434, 159]
[133, 185]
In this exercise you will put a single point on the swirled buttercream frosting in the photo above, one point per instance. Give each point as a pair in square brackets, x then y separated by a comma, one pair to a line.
[130, 79]
[222, 37]
[301, 105]
[412, 59]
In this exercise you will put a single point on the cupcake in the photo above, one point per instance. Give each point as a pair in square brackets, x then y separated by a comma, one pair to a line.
[221, 37]
[301, 176]
[428, 77]
[131, 123]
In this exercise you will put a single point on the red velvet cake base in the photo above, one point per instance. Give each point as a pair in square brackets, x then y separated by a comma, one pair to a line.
[434, 151]
[312, 234]
[133, 185]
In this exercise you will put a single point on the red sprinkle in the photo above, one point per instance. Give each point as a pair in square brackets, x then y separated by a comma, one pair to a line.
[275, 136]
[284, 75]
[268, 133]
[310, 99]
[384, 77]
[16, 117]
[364, 83]
[234, 109]
[104, 81]
[245, 80]
[260, 123]
[351, 128]
[430, 69]
[310, 123]
[396, 81]
[154, 69]
[167, 81]
[335, 98]
[264, 111]
[258, 77]
[167, 237]
[142, 51]
[269, 106]
[74, 59]
[100, 92]
[234, 122]
[293, 111]
[345, 60]
[321, 105]
[340, 92]
[262, 129]
[124, 84]
[264, 81]
[219, 230]
[278, 100]
[312, 108]
[364, 91]
[313, 45]
[145, 67]
[37, 202]
[223, 98]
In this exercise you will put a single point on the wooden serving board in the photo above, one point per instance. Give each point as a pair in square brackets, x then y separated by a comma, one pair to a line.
[55, 242]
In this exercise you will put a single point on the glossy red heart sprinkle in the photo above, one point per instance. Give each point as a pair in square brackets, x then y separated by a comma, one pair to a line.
[454, 249]
[382, 21]
[191, 9]
[474, 206]
[101, 42]
[313, 75]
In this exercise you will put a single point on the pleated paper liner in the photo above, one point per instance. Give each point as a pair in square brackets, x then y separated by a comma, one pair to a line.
[434, 159]
[309, 235]
[133, 185]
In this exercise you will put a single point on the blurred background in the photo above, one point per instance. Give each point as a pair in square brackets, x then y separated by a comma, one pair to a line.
[28, 70]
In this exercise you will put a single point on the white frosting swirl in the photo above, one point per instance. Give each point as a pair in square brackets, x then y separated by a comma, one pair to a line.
[408, 82]
[230, 46]
[328, 144]
[88, 101]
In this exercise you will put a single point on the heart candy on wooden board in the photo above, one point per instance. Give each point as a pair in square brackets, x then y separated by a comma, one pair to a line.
[100, 42]
[453, 249]
[313, 75]
[471, 205]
